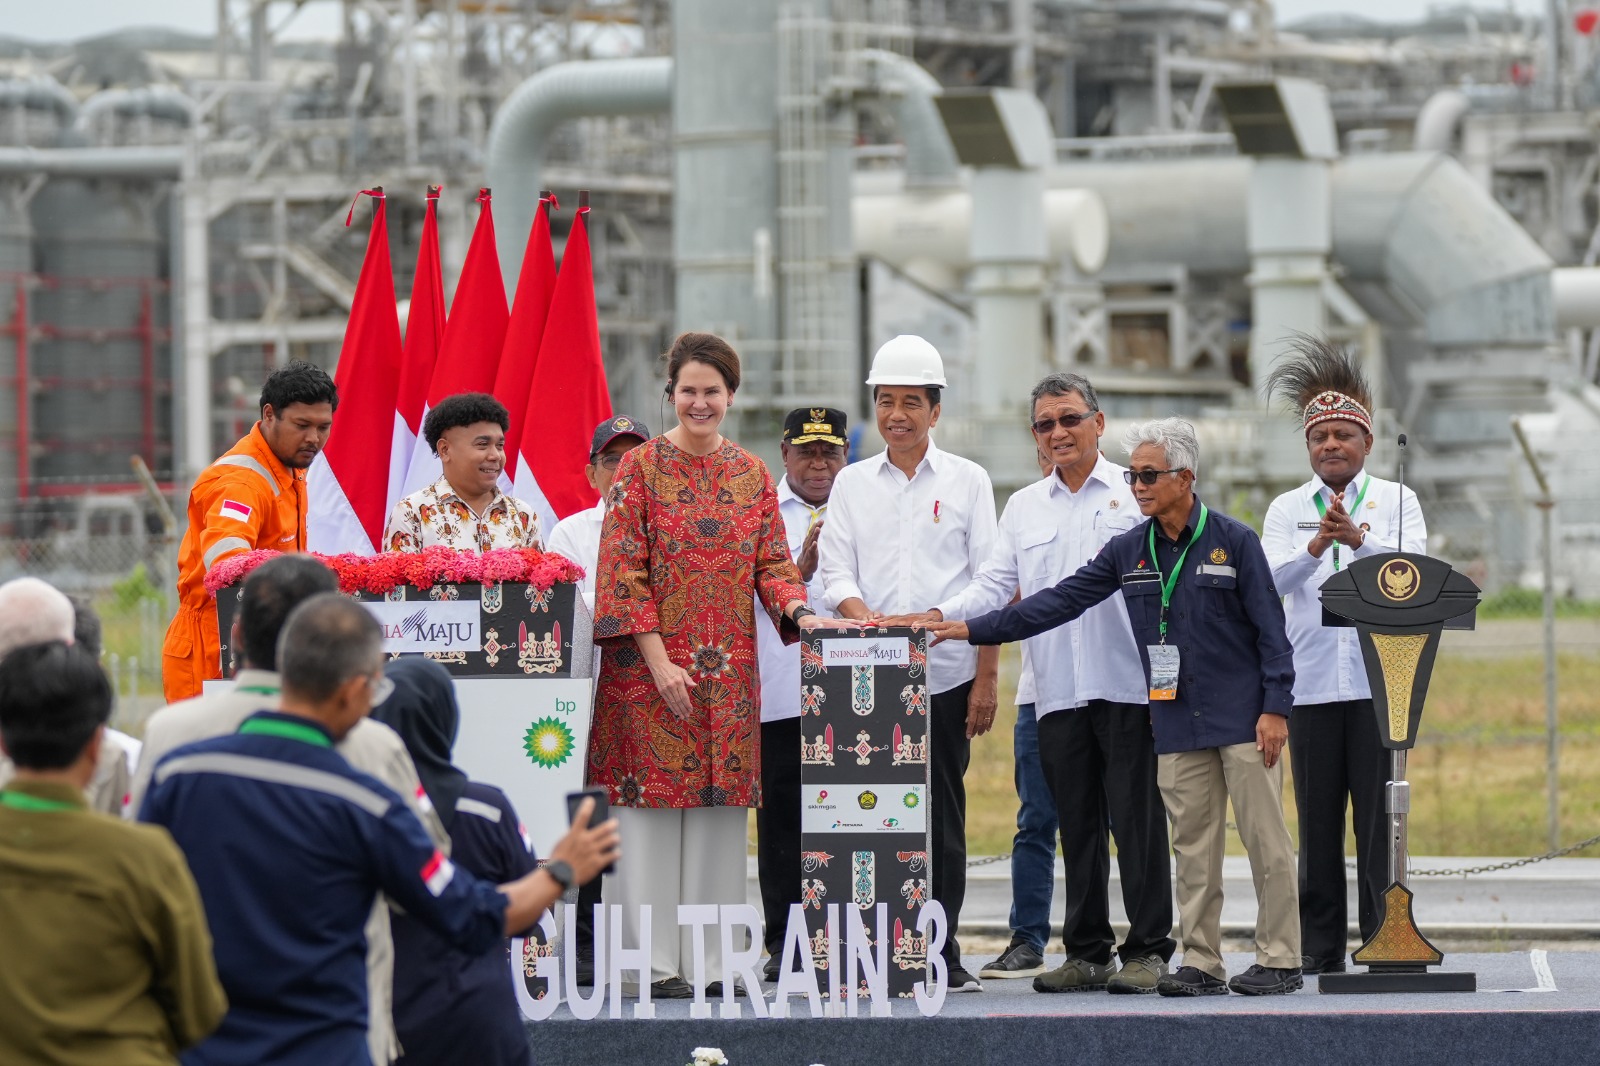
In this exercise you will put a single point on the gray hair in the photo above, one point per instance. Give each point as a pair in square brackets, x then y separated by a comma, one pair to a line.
[33, 611]
[327, 640]
[1061, 384]
[1175, 437]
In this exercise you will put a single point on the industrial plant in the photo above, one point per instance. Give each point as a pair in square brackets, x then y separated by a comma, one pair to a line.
[1154, 193]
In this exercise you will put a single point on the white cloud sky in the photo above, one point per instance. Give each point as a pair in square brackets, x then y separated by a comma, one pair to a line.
[64, 21]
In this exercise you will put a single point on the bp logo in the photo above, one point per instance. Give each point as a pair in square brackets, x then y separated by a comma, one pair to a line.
[911, 799]
[868, 800]
[548, 742]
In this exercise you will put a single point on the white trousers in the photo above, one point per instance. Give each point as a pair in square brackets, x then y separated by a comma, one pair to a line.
[694, 855]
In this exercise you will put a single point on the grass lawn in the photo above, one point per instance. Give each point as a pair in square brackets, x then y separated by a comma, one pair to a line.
[1477, 775]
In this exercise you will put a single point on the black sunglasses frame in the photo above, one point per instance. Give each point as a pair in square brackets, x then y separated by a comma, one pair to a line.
[1048, 425]
[1147, 477]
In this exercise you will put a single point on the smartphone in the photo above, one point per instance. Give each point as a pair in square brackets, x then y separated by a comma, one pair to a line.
[602, 811]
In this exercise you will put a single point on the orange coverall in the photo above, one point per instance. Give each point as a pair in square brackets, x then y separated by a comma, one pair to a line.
[245, 500]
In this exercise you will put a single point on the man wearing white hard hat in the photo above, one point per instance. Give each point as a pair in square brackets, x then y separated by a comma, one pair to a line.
[907, 528]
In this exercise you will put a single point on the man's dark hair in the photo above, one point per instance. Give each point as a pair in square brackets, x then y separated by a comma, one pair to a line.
[271, 592]
[87, 632]
[1062, 384]
[298, 382]
[463, 409]
[328, 639]
[933, 394]
[52, 698]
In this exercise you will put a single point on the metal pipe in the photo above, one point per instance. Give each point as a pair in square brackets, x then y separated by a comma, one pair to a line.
[24, 443]
[158, 101]
[930, 157]
[40, 93]
[524, 121]
[1399, 806]
[164, 162]
[1439, 120]
[1552, 725]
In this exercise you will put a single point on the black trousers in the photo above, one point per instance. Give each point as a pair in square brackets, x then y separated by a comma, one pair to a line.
[588, 899]
[778, 828]
[1335, 753]
[1100, 764]
[950, 751]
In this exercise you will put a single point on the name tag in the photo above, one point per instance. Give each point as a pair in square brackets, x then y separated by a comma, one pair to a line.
[1218, 571]
[1308, 525]
[1140, 575]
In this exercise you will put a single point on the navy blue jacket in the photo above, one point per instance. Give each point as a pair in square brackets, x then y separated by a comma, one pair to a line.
[451, 1006]
[290, 846]
[1226, 619]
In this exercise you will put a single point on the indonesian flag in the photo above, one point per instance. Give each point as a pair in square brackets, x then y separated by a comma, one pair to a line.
[424, 334]
[473, 336]
[569, 395]
[535, 287]
[424, 802]
[437, 873]
[347, 483]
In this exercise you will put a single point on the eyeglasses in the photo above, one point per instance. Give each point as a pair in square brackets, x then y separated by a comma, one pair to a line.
[1147, 477]
[608, 462]
[379, 688]
[1048, 425]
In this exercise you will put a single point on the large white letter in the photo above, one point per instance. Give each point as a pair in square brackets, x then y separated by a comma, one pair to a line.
[741, 963]
[858, 952]
[938, 979]
[791, 981]
[580, 1007]
[545, 966]
[698, 917]
[634, 959]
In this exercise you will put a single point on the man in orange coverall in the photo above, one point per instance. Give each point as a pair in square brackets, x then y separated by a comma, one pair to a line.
[253, 497]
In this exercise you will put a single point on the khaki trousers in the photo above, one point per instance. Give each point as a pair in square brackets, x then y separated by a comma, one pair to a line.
[1196, 787]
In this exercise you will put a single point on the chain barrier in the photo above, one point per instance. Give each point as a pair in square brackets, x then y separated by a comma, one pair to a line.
[1464, 871]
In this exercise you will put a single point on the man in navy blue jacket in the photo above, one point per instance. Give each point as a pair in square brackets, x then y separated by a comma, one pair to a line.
[290, 846]
[1210, 624]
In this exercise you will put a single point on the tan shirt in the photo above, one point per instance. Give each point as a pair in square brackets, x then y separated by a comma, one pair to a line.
[371, 747]
[107, 958]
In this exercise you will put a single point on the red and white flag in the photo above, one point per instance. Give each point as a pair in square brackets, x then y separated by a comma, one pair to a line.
[437, 873]
[473, 337]
[568, 396]
[424, 334]
[520, 353]
[347, 483]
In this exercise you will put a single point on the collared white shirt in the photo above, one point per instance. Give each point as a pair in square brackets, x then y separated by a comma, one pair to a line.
[902, 545]
[577, 538]
[436, 515]
[1046, 533]
[780, 663]
[1327, 661]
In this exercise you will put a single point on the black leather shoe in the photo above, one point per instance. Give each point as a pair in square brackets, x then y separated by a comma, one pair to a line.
[962, 981]
[769, 972]
[1315, 964]
[1020, 959]
[1261, 980]
[1189, 981]
[671, 988]
[714, 991]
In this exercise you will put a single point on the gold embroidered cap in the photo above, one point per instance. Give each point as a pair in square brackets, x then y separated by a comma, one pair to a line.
[806, 424]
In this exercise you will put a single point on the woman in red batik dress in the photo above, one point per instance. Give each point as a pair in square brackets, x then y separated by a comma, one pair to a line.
[692, 540]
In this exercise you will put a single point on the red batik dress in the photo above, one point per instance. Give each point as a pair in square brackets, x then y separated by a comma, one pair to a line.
[688, 544]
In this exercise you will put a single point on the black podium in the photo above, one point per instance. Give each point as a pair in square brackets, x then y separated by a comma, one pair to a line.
[1399, 604]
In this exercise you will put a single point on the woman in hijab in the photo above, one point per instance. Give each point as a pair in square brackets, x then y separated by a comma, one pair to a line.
[450, 1007]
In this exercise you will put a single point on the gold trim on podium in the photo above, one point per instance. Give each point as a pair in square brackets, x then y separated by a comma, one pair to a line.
[1399, 655]
[1397, 942]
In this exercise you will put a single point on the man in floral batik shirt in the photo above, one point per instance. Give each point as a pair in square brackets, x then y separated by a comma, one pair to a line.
[465, 508]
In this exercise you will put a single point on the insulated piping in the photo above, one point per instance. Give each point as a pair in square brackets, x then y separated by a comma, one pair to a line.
[930, 157]
[1439, 121]
[40, 93]
[157, 101]
[93, 162]
[523, 122]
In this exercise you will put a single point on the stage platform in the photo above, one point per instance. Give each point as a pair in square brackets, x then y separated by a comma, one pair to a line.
[1531, 1007]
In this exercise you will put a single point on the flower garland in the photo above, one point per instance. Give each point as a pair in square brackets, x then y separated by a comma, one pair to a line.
[432, 566]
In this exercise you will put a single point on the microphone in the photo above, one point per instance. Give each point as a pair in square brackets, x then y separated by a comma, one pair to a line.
[1400, 521]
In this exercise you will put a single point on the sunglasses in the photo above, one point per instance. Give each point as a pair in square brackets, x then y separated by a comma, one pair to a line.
[1048, 425]
[1147, 477]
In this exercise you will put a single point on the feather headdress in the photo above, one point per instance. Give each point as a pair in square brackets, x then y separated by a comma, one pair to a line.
[1320, 382]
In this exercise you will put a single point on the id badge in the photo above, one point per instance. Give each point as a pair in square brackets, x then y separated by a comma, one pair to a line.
[1163, 671]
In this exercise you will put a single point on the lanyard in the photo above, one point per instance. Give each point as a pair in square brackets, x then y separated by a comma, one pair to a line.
[1170, 583]
[23, 802]
[1322, 512]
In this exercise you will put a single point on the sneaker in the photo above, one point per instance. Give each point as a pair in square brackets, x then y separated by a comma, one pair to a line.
[962, 981]
[671, 988]
[1021, 959]
[1188, 981]
[1075, 975]
[1312, 964]
[1267, 981]
[1138, 976]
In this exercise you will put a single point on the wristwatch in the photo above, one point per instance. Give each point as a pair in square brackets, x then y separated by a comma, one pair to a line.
[799, 613]
[561, 873]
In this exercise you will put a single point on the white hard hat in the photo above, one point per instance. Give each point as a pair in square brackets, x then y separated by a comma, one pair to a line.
[907, 360]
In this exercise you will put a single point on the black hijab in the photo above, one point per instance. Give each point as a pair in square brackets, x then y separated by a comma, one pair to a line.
[423, 710]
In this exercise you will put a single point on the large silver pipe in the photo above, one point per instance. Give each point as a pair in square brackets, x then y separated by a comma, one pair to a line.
[43, 94]
[930, 157]
[157, 101]
[93, 162]
[1440, 120]
[523, 122]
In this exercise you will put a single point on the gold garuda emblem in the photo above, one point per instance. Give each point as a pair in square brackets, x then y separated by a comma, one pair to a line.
[1399, 580]
[1219, 556]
